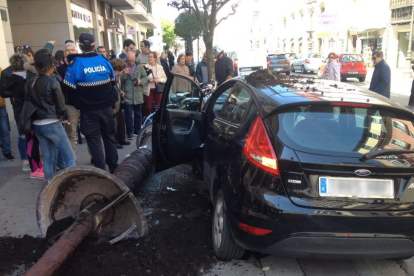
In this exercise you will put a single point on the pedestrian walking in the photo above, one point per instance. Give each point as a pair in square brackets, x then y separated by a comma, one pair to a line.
[5, 131]
[133, 81]
[171, 58]
[129, 46]
[181, 85]
[381, 78]
[59, 58]
[145, 50]
[92, 79]
[16, 91]
[223, 66]
[70, 100]
[157, 76]
[45, 94]
[202, 70]
[189, 62]
[332, 69]
[119, 66]
[164, 64]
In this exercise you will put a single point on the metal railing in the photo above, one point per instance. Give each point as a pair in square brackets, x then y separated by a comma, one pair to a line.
[394, 4]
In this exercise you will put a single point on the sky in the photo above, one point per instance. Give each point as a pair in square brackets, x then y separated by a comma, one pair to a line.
[166, 12]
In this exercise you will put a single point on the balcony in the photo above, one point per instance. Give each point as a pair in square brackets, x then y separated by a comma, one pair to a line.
[395, 4]
[142, 13]
[121, 4]
[401, 15]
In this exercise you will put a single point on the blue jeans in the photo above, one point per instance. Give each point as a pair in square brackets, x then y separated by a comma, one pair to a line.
[21, 144]
[54, 143]
[5, 130]
[133, 121]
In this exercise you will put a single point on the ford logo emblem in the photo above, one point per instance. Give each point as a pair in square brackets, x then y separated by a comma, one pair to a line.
[362, 172]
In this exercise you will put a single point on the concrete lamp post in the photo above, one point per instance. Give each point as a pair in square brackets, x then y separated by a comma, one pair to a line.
[311, 4]
[408, 72]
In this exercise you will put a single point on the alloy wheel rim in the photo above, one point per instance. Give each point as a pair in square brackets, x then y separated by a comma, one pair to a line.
[218, 222]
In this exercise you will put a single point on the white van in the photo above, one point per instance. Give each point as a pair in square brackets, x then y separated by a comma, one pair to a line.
[248, 61]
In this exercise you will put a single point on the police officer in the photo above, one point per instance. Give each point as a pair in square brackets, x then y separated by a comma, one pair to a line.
[92, 80]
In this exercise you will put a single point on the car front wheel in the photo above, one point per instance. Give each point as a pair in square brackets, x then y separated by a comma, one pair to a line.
[362, 79]
[223, 242]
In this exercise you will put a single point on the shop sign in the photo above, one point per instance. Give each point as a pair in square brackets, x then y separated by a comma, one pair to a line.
[121, 29]
[132, 30]
[327, 21]
[113, 23]
[81, 17]
[373, 33]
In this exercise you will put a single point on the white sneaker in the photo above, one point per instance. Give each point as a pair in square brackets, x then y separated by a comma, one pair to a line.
[26, 166]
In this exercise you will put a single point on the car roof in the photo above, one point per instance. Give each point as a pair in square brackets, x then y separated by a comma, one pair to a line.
[308, 90]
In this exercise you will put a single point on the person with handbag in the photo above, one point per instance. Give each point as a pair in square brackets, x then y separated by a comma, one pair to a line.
[156, 83]
[46, 95]
[133, 81]
[15, 90]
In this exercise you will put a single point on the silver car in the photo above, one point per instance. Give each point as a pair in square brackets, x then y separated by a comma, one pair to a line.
[307, 62]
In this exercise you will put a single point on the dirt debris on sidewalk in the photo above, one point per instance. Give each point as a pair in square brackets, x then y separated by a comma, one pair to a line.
[178, 243]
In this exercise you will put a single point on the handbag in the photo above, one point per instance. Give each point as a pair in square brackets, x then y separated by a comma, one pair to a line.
[25, 120]
[159, 87]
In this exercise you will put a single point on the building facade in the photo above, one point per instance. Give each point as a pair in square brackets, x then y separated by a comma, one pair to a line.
[110, 21]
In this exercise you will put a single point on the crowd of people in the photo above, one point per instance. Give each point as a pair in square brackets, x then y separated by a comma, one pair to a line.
[104, 96]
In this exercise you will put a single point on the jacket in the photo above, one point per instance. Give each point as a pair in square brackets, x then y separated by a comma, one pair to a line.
[15, 90]
[92, 80]
[170, 59]
[381, 79]
[179, 84]
[191, 68]
[201, 67]
[5, 75]
[165, 66]
[70, 98]
[45, 94]
[332, 71]
[224, 69]
[160, 75]
[134, 94]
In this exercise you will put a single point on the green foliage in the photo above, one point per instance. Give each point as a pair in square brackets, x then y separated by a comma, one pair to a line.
[187, 26]
[168, 36]
[150, 32]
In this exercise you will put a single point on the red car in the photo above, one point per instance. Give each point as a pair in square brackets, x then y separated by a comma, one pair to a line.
[352, 66]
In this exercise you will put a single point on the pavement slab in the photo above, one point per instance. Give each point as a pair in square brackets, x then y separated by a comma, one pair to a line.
[250, 267]
[281, 266]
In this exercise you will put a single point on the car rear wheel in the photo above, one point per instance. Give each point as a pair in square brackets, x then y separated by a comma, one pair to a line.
[223, 243]
[292, 68]
[343, 79]
[362, 79]
[302, 70]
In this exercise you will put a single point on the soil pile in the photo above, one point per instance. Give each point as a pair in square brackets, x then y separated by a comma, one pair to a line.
[179, 242]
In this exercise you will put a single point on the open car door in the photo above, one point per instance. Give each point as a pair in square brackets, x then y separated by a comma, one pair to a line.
[178, 125]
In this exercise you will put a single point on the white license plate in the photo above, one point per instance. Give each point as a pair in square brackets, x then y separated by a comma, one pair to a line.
[356, 187]
[352, 72]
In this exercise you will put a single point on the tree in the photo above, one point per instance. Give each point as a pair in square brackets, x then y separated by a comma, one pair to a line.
[150, 32]
[206, 11]
[188, 27]
[168, 35]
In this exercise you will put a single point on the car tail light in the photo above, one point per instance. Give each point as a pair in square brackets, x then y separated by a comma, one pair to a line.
[352, 104]
[259, 150]
[268, 62]
[254, 230]
[307, 61]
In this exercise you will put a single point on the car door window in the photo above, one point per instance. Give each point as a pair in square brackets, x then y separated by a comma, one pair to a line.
[236, 105]
[183, 94]
[218, 104]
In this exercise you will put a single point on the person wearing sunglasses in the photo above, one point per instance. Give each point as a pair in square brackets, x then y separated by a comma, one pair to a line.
[381, 78]
[332, 69]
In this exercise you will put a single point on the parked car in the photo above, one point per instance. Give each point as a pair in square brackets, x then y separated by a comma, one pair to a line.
[279, 63]
[248, 61]
[352, 66]
[307, 62]
[315, 170]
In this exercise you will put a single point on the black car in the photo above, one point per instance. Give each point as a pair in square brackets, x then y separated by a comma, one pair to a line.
[306, 169]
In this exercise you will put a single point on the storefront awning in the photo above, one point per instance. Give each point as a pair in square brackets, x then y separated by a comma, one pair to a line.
[120, 4]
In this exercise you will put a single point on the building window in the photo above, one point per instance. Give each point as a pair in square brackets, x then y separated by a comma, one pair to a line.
[255, 16]
[400, 126]
[400, 144]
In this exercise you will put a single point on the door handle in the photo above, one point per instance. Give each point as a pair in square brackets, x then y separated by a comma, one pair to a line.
[191, 128]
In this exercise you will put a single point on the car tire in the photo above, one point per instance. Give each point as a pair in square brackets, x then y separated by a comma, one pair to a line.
[312, 72]
[287, 73]
[223, 243]
[362, 79]
[343, 79]
[302, 70]
[398, 260]
[292, 68]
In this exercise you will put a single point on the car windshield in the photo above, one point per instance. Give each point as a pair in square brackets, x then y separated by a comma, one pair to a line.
[352, 58]
[315, 55]
[343, 130]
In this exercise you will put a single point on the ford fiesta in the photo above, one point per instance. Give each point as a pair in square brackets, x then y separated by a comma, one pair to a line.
[297, 167]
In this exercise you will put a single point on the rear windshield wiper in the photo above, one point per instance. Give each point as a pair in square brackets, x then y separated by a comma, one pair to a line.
[376, 153]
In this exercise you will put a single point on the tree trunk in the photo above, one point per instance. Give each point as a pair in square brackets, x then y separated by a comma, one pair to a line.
[189, 45]
[210, 58]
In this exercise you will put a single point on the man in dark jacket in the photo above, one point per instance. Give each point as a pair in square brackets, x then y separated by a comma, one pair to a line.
[224, 66]
[189, 62]
[92, 79]
[381, 78]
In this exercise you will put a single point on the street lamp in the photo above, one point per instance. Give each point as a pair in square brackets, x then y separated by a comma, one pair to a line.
[409, 57]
